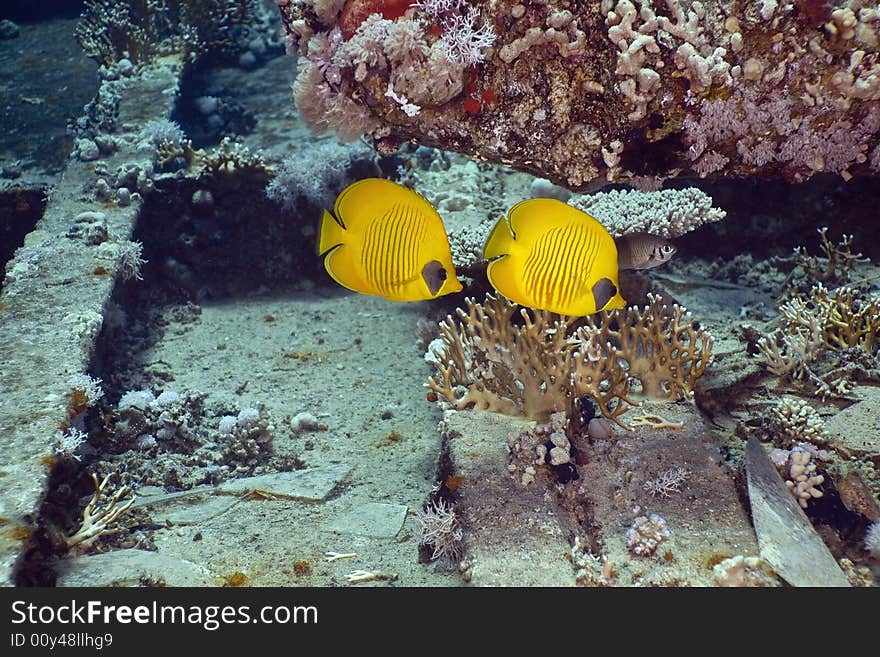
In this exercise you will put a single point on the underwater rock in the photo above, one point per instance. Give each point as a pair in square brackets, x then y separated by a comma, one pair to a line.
[190, 510]
[131, 568]
[788, 541]
[856, 428]
[676, 474]
[512, 533]
[372, 519]
[856, 496]
[588, 93]
[87, 150]
[8, 30]
[312, 485]
[57, 314]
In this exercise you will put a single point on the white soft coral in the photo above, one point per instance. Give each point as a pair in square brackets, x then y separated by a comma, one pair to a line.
[462, 41]
[872, 540]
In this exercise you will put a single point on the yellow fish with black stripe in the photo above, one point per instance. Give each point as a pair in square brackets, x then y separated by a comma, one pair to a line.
[548, 255]
[385, 239]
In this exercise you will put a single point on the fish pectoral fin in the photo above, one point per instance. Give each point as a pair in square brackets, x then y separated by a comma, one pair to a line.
[603, 292]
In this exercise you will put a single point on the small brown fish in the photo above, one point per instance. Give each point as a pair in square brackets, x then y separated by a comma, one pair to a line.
[642, 251]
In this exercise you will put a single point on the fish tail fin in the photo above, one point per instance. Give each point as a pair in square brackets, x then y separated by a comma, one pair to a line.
[500, 240]
[331, 233]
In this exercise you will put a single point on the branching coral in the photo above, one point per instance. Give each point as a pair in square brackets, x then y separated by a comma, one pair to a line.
[668, 212]
[533, 369]
[541, 366]
[230, 156]
[440, 529]
[96, 520]
[662, 349]
[646, 534]
[825, 268]
[794, 420]
[841, 321]
[803, 480]
[838, 320]
[667, 482]
[848, 318]
[798, 467]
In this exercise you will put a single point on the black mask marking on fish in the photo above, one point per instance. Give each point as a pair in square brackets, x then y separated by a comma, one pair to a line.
[603, 291]
[434, 275]
[663, 253]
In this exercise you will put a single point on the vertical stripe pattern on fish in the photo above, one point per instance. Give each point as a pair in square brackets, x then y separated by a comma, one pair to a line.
[549, 255]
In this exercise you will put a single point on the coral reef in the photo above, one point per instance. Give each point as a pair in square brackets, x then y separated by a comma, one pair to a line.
[320, 177]
[140, 30]
[622, 90]
[187, 446]
[826, 336]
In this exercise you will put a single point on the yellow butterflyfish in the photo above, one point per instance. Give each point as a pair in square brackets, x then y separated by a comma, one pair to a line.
[385, 239]
[548, 255]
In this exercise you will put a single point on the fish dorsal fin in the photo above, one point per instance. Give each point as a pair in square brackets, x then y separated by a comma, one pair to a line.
[371, 197]
[530, 218]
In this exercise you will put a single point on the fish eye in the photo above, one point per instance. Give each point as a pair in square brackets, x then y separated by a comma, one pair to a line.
[442, 274]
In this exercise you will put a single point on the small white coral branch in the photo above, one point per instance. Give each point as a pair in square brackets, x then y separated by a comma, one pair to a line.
[89, 386]
[96, 519]
[667, 482]
[462, 41]
[130, 260]
[410, 109]
[68, 441]
[359, 576]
